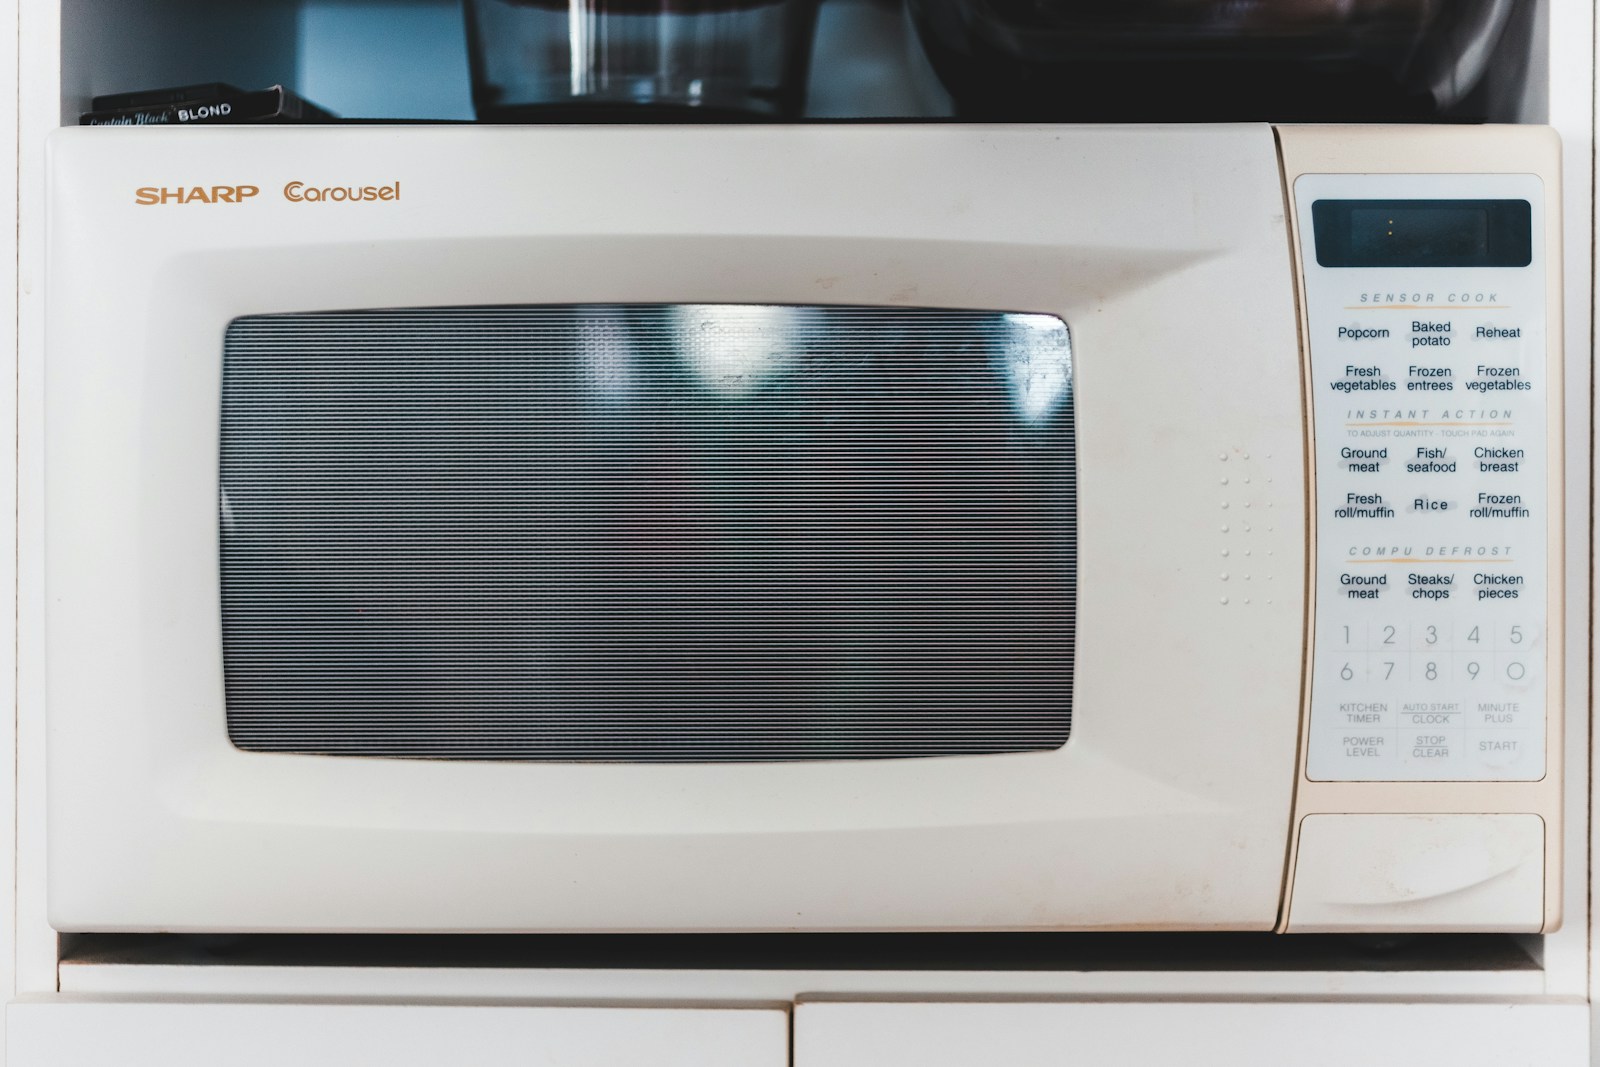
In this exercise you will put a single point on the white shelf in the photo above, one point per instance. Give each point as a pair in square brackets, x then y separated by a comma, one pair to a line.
[406, 59]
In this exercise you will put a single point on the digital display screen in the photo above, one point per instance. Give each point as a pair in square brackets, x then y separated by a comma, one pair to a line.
[1423, 233]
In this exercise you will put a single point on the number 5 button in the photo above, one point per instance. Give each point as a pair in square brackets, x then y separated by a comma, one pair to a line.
[1515, 637]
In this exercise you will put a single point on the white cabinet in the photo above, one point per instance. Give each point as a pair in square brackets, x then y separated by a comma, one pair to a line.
[1190, 1034]
[66, 1032]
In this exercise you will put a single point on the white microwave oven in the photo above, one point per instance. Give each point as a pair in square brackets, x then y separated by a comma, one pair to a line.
[835, 527]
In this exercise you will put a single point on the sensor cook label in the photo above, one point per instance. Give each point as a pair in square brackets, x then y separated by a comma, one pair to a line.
[1426, 312]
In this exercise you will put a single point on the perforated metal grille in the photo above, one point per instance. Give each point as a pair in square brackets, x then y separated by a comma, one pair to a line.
[648, 532]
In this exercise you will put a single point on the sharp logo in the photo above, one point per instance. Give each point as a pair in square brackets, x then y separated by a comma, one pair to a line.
[153, 196]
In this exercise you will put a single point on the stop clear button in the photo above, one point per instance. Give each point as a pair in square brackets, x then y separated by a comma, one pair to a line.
[1419, 873]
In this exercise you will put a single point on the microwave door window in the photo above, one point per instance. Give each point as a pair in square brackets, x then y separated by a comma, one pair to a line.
[681, 533]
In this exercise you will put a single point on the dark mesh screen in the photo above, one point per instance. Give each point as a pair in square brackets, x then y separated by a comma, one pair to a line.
[648, 532]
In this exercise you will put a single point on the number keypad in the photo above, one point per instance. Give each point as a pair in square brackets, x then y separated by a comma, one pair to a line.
[1431, 701]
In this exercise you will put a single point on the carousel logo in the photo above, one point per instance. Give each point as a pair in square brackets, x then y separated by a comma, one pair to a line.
[301, 193]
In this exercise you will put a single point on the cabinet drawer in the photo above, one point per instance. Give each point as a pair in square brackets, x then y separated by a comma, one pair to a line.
[57, 1032]
[1190, 1034]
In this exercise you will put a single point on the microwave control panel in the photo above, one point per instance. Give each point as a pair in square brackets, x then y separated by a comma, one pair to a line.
[1425, 304]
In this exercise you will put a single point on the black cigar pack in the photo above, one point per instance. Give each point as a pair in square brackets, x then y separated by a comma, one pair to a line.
[209, 104]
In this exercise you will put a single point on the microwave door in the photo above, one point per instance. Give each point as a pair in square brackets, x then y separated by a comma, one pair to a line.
[712, 545]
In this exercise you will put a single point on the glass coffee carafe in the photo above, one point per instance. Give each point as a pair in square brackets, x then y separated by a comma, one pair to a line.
[639, 60]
